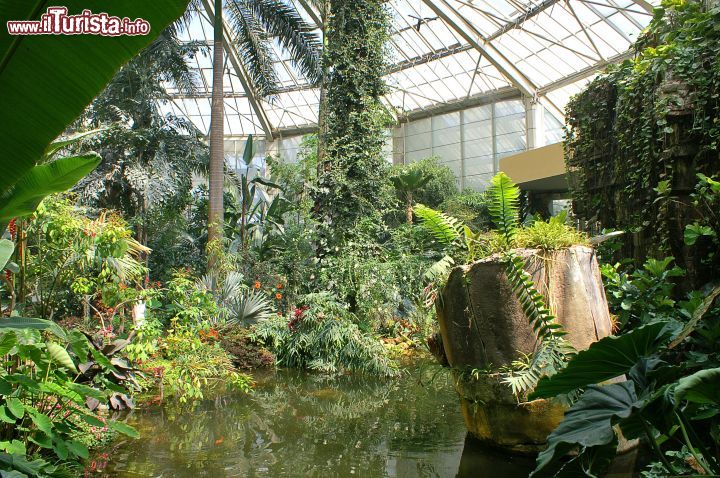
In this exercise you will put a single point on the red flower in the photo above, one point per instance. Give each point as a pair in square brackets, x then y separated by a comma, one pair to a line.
[257, 284]
[12, 227]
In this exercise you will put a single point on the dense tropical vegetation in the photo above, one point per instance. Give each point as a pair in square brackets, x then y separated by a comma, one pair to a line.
[137, 267]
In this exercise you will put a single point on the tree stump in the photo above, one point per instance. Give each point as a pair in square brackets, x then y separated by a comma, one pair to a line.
[484, 327]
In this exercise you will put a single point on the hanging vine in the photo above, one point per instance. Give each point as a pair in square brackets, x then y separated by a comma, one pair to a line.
[637, 136]
[352, 180]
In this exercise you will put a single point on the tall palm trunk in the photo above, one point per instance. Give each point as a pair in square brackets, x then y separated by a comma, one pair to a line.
[215, 216]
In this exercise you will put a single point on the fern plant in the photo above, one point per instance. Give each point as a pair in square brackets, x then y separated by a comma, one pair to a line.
[504, 207]
[552, 351]
[445, 229]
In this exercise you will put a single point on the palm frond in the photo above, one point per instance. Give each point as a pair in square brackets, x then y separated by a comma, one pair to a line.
[504, 206]
[251, 307]
[253, 44]
[445, 229]
[282, 21]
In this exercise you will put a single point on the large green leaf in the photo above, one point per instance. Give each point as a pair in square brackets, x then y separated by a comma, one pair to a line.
[7, 342]
[46, 81]
[7, 248]
[589, 422]
[36, 324]
[701, 387]
[59, 144]
[59, 355]
[123, 428]
[25, 195]
[604, 360]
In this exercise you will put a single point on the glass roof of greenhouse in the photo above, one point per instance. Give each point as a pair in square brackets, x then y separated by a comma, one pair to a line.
[442, 52]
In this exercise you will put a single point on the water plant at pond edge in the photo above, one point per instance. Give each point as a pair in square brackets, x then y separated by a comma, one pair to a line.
[322, 335]
[44, 403]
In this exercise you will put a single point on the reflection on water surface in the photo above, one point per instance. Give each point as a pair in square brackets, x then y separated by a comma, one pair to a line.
[299, 424]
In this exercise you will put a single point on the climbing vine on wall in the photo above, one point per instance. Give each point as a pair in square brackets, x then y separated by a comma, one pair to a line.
[353, 180]
[637, 136]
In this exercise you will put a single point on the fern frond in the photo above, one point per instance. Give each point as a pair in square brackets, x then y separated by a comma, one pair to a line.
[445, 229]
[541, 319]
[553, 351]
[440, 269]
[546, 361]
[504, 206]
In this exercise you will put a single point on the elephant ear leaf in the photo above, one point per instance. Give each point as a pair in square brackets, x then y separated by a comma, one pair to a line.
[23, 198]
[32, 323]
[701, 387]
[6, 250]
[605, 360]
[60, 356]
[589, 423]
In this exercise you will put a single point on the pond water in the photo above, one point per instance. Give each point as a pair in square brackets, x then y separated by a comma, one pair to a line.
[298, 424]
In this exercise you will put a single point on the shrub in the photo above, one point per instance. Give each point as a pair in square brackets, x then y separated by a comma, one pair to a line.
[442, 183]
[322, 335]
[471, 207]
[549, 235]
[191, 360]
[42, 402]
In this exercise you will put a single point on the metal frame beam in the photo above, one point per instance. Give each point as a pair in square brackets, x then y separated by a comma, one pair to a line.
[469, 33]
[541, 7]
[645, 5]
[242, 74]
[585, 72]
[312, 13]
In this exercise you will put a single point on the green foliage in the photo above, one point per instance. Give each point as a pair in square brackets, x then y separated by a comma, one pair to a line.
[625, 130]
[445, 229]
[670, 398]
[188, 305]
[96, 57]
[322, 335]
[470, 207]
[189, 366]
[550, 235]
[71, 258]
[606, 359]
[353, 177]
[43, 396]
[706, 230]
[379, 270]
[438, 183]
[504, 207]
[644, 294]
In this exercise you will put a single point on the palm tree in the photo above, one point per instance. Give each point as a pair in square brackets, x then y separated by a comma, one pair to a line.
[254, 23]
[148, 156]
[406, 183]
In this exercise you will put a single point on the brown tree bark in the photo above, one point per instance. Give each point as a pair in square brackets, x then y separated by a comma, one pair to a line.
[217, 152]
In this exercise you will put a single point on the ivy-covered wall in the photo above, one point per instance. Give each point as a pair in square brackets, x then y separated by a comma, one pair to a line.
[353, 180]
[638, 136]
